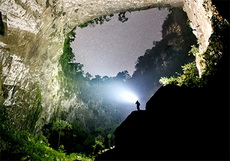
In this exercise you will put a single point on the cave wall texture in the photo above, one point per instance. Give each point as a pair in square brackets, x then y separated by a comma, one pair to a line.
[32, 39]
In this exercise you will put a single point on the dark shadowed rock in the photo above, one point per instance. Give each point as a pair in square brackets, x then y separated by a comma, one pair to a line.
[1, 25]
[179, 123]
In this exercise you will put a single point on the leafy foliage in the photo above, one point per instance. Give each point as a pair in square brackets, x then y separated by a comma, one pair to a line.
[122, 17]
[167, 56]
[23, 145]
[60, 126]
[212, 57]
[70, 68]
[95, 111]
[96, 21]
[72, 73]
[189, 77]
[217, 43]
[100, 20]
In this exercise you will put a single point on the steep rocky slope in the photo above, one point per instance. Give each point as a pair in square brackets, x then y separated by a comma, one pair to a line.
[175, 127]
[32, 43]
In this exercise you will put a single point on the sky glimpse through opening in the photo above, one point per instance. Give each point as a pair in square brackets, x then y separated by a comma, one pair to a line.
[115, 46]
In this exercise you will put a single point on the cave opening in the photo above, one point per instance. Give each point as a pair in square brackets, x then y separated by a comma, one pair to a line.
[71, 109]
[132, 51]
[104, 104]
[115, 44]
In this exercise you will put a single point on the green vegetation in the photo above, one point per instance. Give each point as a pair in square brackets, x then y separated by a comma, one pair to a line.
[216, 46]
[189, 77]
[91, 123]
[72, 72]
[96, 21]
[167, 56]
[212, 57]
[23, 145]
[60, 126]
[100, 20]
[94, 121]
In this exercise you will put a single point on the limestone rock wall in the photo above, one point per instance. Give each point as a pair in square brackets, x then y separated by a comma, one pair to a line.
[199, 13]
[34, 34]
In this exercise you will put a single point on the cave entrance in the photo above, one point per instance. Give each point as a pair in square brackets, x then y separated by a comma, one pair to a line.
[108, 98]
[137, 48]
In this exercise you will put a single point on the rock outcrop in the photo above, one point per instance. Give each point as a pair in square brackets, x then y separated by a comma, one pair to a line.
[175, 127]
[31, 43]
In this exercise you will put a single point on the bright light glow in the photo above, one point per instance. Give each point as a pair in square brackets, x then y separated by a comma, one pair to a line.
[129, 97]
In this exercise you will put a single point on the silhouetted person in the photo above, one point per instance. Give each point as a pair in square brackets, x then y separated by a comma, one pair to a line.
[138, 105]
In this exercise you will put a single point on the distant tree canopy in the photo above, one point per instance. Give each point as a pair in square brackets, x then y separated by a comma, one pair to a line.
[124, 75]
[167, 56]
[100, 20]
[122, 17]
